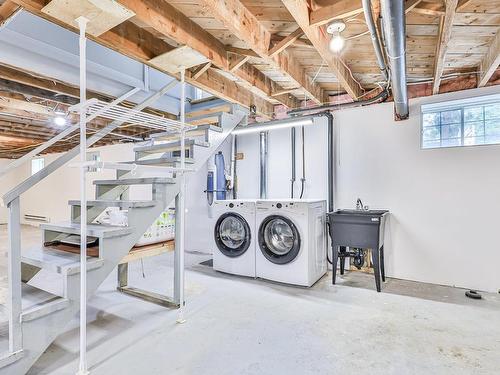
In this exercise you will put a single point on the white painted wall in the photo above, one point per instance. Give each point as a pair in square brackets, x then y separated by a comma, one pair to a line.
[444, 203]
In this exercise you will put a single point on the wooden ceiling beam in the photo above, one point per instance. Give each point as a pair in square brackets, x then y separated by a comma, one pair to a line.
[336, 11]
[170, 22]
[231, 13]
[490, 61]
[411, 4]
[7, 10]
[142, 45]
[445, 28]
[317, 35]
[285, 42]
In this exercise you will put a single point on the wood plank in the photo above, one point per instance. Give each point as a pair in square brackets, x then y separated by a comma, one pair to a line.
[7, 10]
[242, 51]
[236, 61]
[231, 13]
[201, 69]
[318, 37]
[170, 22]
[103, 15]
[284, 43]
[411, 4]
[490, 61]
[445, 28]
[133, 45]
[178, 59]
[338, 10]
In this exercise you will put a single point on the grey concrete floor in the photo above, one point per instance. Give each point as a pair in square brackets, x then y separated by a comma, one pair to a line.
[237, 325]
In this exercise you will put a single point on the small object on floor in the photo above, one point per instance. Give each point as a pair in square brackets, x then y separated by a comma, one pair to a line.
[473, 294]
[208, 263]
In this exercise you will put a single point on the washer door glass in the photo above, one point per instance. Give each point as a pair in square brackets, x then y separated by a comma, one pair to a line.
[279, 239]
[232, 234]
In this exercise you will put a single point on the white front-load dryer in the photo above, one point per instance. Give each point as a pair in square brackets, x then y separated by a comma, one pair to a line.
[292, 241]
[234, 237]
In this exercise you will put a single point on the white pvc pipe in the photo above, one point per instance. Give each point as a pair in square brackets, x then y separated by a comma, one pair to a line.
[182, 200]
[82, 23]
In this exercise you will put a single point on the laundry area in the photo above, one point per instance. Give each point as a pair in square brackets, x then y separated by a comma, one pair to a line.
[249, 187]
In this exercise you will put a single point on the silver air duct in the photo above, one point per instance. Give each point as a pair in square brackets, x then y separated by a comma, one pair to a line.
[393, 17]
[367, 9]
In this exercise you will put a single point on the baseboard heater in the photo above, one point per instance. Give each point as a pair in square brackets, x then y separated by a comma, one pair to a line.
[37, 218]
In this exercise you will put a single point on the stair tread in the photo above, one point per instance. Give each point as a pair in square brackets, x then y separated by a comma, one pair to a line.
[199, 128]
[164, 147]
[94, 230]
[137, 181]
[117, 203]
[34, 297]
[162, 161]
[56, 260]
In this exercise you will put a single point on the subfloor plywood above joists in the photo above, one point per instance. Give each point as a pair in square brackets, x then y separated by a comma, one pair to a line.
[103, 15]
[178, 59]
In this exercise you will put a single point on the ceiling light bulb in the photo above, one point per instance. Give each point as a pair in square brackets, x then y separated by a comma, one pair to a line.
[337, 43]
[59, 121]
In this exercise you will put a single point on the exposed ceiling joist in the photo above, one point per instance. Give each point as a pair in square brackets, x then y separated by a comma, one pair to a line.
[338, 10]
[318, 37]
[411, 4]
[445, 28]
[198, 71]
[231, 13]
[140, 44]
[168, 21]
[7, 10]
[490, 61]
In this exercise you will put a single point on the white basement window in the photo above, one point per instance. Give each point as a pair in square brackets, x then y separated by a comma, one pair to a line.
[37, 165]
[466, 122]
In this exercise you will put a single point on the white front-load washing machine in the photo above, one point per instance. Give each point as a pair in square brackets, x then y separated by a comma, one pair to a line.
[292, 240]
[234, 237]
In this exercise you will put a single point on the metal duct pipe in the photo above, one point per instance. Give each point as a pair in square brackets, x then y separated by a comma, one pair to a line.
[263, 165]
[292, 181]
[375, 38]
[393, 17]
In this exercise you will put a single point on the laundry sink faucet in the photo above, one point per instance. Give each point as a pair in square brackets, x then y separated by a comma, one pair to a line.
[359, 204]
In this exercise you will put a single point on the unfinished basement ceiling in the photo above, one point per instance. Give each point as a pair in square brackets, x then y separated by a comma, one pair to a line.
[278, 55]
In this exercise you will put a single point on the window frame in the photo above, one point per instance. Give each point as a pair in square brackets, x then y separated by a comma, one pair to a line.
[461, 104]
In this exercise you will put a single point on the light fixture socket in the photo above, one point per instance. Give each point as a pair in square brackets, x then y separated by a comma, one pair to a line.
[335, 27]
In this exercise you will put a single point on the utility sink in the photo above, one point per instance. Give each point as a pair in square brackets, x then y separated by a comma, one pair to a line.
[361, 212]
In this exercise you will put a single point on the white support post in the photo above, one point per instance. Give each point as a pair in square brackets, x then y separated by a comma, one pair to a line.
[82, 369]
[181, 206]
[14, 274]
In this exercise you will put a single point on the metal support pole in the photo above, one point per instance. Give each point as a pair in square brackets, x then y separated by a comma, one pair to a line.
[14, 274]
[181, 204]
[82, 24]
[263, 165]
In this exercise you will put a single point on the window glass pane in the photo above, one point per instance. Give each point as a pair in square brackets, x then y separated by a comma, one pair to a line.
[451, 117]
[473, 114]
[473, 129]
[492, 111]
[429, 119]
[451, 142]
[37, 165]
[471, 141]
[431, 133]
[492, 127]
[431, 144]
[451, 131]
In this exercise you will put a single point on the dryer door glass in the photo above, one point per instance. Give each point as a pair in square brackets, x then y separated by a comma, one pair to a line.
[232, 234]
[279, 239]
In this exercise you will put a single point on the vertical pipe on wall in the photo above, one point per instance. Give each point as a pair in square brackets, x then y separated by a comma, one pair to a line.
[263, 165]
[292, 181]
